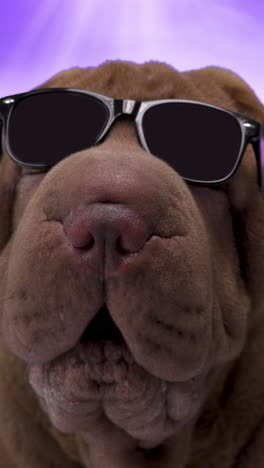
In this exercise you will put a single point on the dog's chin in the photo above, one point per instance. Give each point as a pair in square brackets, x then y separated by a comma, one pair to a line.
[98, 382]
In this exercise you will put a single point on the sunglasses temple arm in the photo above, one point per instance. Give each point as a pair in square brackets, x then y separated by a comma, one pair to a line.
[256, 143]
[1, 136]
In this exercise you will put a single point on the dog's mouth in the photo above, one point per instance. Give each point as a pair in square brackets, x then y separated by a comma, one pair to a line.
[102, 327]
[99, 383]
[102, 350]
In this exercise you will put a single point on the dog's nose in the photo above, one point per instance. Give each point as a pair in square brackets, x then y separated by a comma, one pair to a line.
[105, 234]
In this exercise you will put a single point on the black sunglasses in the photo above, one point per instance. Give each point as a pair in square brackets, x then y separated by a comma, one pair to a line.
[203, 143]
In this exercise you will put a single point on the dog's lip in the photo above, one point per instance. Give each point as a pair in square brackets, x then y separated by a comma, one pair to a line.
[96, 354]
[104, 361]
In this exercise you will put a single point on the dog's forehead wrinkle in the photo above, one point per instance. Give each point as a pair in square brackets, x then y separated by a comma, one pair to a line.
[118, 80]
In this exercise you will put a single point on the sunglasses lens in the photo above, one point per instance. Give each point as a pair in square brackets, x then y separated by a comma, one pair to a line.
[44, 128]
[201, 143]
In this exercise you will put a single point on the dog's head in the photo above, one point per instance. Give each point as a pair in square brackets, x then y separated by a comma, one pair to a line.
[125, 289]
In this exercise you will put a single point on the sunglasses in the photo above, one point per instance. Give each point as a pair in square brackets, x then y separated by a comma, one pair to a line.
[203, 143]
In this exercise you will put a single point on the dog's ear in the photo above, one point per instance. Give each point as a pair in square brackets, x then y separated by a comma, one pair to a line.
[246, 200]
[214, 79]
[10, 173]
[228, 90]
[242, 94]
[9, 176]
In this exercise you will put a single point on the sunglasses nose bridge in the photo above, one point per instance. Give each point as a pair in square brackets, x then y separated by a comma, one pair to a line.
[125, 110]
[123, 107]
[128, 106]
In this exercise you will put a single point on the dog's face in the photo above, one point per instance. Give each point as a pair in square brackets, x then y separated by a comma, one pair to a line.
[124, 288]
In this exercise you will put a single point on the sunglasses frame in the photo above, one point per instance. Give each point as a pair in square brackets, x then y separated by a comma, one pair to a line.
[250, 129]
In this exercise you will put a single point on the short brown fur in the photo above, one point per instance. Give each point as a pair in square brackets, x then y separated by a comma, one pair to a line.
[220, 258]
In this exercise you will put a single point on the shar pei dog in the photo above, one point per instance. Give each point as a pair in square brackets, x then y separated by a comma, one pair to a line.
[132, 260]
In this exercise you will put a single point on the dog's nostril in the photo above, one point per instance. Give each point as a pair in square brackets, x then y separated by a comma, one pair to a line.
[102, 327]
[103, 235]
[120, 249]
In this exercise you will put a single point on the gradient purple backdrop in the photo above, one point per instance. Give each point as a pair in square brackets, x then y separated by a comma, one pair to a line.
[38, 39]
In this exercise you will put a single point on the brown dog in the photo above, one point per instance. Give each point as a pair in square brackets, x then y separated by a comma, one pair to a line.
[178, 379]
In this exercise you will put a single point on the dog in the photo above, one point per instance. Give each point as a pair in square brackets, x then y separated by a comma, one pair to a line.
[131, 298]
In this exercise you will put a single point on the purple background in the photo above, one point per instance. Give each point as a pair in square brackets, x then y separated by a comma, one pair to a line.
[40, 38]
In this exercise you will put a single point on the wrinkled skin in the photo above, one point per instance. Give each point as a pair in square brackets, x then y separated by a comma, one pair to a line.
[180, 290]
